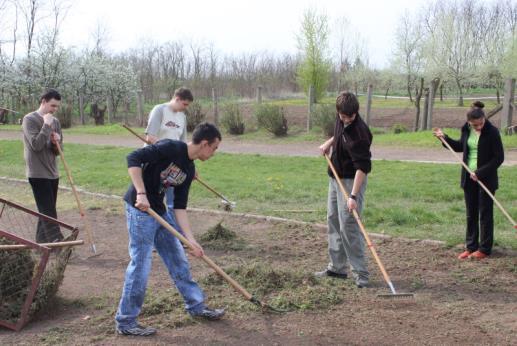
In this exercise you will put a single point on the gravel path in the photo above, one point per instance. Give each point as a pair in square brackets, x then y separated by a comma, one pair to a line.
[230, 145]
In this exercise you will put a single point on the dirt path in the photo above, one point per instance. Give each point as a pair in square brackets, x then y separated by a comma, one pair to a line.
[230, 145]
[457, 302]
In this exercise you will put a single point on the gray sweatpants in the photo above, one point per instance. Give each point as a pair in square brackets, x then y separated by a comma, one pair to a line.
[345, 241]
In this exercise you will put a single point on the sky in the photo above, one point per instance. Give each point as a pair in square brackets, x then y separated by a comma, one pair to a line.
[233, 26]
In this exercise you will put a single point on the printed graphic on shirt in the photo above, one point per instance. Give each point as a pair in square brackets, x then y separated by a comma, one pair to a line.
[172, 124]
[172, 176]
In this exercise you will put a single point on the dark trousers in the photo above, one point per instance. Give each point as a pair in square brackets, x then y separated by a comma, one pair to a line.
[45, 194]
[480, 218]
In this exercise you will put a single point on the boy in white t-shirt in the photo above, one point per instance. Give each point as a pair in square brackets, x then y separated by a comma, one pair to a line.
[168, 120]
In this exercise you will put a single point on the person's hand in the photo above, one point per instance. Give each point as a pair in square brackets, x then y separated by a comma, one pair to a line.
[196, 249]
[48, 119]
[437, 132]
[55, 138]
[473, 176]
[351, 204]
[324, 148]
[142, 203]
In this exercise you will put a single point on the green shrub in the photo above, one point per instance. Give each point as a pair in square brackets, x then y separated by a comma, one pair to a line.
[231, 119]
[399, 128]
[325, 117]
[272, 118]
[195, 115]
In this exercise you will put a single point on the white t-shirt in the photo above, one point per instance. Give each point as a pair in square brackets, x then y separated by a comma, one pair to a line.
[165, 123]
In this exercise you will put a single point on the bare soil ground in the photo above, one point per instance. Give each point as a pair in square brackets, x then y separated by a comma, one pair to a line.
[456, 302]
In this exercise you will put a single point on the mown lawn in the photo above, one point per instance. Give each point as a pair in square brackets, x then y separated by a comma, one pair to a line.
[408, 199]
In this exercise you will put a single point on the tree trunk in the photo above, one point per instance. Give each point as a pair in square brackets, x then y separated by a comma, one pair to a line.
[418, 96]
[460, 90]
[409, 88]
[423, 119]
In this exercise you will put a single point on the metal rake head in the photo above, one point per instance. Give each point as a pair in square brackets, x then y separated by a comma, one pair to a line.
[396, 296]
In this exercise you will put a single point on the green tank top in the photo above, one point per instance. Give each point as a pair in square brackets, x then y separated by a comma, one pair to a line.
[472, 145]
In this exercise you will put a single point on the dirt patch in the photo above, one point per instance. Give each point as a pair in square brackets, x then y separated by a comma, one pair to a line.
[460, 302]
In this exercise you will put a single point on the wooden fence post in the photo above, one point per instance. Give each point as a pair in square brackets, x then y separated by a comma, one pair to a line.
[430, 105]
[423, 120]
[369, 104]
[140, 107]
[109, 105]
[311, 107]
[215, 107]
[81, 108]
[259, 94]
[508, 104]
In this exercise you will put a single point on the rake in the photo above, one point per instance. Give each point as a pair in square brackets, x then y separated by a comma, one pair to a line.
[394, 294]
[79, 204]
[228, 205]
[512, 221]
[248, 296]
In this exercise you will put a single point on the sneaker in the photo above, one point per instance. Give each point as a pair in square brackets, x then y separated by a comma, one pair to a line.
[209, 314]
[138, 330]
[464, 255]
[478, 255]
[330, 273]
[361, 283]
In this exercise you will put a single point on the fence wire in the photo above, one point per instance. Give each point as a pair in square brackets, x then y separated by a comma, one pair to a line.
[30, 274]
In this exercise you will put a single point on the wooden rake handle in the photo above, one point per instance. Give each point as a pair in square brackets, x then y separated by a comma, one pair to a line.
[136, 134]
[50, 245]
[89, 233]
[505, 213]
[213, 190]
[205, 258]
[361, 226]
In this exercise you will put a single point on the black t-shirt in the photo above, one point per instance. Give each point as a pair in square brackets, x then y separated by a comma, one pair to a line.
[164, 164]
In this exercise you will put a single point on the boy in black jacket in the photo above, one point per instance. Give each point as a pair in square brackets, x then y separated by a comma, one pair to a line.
[351, 157]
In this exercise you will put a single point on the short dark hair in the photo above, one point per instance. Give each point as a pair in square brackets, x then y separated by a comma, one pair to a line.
[347, 103]
[50, 94]
[476, 111]
[184, 94]
[205, 131]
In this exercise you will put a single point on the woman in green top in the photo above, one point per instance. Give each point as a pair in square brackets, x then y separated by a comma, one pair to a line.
[483, 153]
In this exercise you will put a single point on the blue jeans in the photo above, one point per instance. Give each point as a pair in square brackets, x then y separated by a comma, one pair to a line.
[144, 233]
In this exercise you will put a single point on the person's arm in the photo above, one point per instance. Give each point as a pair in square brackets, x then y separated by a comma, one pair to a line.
[455, 145]
[184, 223]
[154, 124]
[135, 173]
[497, 159]
[325, 147]
[37, 137]
[358, 182]
[151, 139]
[183, 136]
[362, 161]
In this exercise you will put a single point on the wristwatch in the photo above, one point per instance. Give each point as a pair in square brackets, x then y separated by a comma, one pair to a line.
[353, 197]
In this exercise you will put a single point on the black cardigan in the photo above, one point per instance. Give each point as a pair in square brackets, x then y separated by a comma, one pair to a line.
[351, 148]
[490, 154]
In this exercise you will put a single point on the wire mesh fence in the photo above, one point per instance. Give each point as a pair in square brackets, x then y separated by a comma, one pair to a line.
[31, 270]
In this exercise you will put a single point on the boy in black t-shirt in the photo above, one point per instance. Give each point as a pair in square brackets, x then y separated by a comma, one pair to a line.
[351, 157]
[152, 170]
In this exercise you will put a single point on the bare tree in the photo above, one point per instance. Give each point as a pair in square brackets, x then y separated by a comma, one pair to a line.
[408, 49]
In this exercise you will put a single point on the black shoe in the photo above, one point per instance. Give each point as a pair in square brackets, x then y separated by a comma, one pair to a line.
[330, 273]
[138, 330]
[209, 314]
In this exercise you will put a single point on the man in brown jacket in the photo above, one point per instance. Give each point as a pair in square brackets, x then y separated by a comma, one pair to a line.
[41, 135]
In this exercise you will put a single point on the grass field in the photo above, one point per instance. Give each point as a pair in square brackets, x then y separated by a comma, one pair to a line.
[405, 199]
